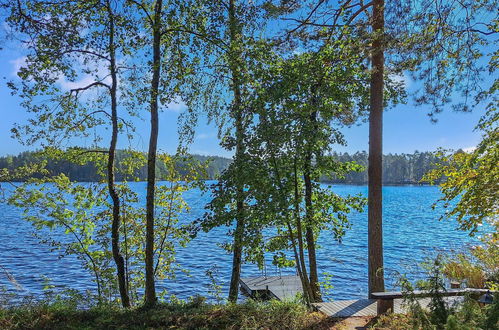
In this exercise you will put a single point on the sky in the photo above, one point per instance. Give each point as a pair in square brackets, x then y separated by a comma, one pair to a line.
[407, 128]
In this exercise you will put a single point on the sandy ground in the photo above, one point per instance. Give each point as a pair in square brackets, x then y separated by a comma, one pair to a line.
[357, 323]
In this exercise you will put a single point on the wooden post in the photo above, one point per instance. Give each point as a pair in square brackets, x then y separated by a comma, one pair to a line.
[455, 285]
[385, 306]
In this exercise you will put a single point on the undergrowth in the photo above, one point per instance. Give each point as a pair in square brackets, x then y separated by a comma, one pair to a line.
[440, 313]
[194, 314]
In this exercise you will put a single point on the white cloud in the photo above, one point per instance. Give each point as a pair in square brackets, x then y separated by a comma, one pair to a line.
[64, 83]
[17, 64]
[204, 136]
[402, 78]
[68, 85]
[176, 106]
[99, 69]
[298, 51]
[469, 149]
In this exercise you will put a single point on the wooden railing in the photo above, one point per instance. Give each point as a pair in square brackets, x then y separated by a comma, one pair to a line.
[385, 299]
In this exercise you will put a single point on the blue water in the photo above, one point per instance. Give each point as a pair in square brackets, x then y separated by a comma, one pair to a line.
[411, 233]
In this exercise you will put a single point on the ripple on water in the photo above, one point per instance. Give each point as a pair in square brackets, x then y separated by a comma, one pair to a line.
[411, 232]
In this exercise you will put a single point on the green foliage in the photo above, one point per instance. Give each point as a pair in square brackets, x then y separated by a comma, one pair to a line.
[81, 213]
[472, 180]
[193, 314]
[214, 289]
[446, 46]
[397, 168]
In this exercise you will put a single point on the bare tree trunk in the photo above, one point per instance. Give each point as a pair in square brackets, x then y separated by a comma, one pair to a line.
[150, 290]
[235, 67]
[375, 220]
[115, 225]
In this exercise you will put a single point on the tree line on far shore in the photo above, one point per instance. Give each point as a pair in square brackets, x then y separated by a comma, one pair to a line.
[401, 168]
[88, 172]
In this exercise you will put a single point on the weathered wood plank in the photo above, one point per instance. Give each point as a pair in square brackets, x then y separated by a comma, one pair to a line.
[365, 307]
[422, 293]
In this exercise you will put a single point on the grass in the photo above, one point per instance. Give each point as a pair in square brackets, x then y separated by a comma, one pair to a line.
[191, 315]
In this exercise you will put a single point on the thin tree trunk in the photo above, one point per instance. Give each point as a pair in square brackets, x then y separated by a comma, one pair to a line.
[150, 289]
[299, 232]
[298, 253]
[303, 277]
[235, 67]
[309, 211]
[115, 226]
[375, 221]
[237, 256]
[312, 258]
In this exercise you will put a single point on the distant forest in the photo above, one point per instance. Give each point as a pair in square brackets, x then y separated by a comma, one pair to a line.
[89, 173]
[397, 168]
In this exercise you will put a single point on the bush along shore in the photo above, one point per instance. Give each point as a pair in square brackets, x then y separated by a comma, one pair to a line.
[193, 314]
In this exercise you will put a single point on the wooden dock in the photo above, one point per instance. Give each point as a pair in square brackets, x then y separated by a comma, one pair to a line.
[365, 307]
[268, 287]
[287, 287]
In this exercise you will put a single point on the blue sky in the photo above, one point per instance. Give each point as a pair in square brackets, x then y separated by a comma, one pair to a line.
[406, 128]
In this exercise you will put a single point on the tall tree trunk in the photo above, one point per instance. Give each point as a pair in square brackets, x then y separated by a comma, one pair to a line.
[150, 290]
[115, 225]
[235, 68]
[375, 220]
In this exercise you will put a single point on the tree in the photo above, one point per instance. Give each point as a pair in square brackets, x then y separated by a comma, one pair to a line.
[115, 228]
[231, 30]
[341, 18]
[235, 67]
[300, 101]
[168, 78]
[156, 31]
[471, 180]
[376, 279]
[65, 50]
[57, 39]
[435, 41]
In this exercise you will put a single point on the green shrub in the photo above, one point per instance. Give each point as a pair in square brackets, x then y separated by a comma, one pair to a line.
[192, 314]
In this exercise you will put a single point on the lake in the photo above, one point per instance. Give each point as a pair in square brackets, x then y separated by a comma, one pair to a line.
[411, 233]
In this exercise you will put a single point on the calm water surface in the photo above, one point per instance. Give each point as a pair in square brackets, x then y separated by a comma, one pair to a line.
[411, 233]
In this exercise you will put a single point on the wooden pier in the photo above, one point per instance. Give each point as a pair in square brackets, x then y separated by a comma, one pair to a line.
[287, 287]
[269, 287]
[366, 307]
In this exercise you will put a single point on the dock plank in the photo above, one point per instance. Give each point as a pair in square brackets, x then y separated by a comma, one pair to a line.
[366, 307]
